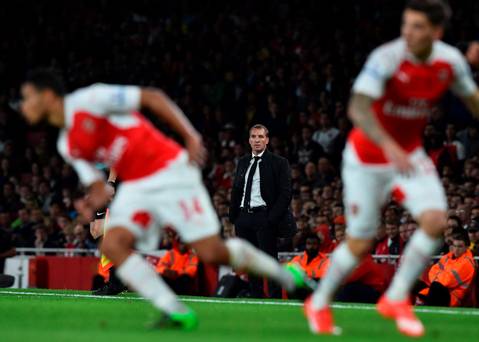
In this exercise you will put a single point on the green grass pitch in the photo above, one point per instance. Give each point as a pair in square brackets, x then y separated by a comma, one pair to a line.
[50, 316]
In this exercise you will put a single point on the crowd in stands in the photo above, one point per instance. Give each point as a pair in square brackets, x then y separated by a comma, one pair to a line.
[287, 65]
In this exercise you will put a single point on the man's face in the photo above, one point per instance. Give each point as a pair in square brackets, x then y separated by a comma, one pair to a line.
[306, 134]
[391, 230]
[451, 224]
[258, 140]
[310, 169]
[312, 247]
[403, 232]
[182, 248]
[296, 205]
[418, 32]
[23, 215]
[463, 212]
[473, 235]
[339, 234]
[80, 232]
[7, 190]
[324, 120]
[37, 215]
[34, 103]
[458, 248]
[381, 233]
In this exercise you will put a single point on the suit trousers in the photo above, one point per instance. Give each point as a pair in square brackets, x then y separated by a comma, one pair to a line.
[254, 228]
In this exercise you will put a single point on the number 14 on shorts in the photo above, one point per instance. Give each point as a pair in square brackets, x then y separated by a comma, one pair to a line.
[190, 208]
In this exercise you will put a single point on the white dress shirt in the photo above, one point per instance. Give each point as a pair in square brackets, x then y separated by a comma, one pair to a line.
[256, 199]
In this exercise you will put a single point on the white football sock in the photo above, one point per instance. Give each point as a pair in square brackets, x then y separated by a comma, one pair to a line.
[245, 256]
[417, 254]
[342, 263]
[138, 274]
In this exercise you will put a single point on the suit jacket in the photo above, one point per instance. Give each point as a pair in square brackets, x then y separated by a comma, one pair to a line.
[276, 191]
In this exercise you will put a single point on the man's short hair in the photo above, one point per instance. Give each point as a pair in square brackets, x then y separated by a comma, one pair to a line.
[461, 235]
[44, 79]
[313, 236]
[457, 219]
[437, 12]
[260, 126]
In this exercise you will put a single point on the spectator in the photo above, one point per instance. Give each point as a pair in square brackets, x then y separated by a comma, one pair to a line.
[303, 231]
[449, 279]
[469, 138]
[326, 172]
[22, 228]
[311, 174]
[308, 150]
[312, 261]
[324, 234]
[392, 244]
[179, 268]
[453, 144]
[227, 228]
[326, 134]
[473, 232]
[296, 207]
[365, 284]
[81, 240]
[406, 230]
[10, 201]
[339, 229]
[7, 248]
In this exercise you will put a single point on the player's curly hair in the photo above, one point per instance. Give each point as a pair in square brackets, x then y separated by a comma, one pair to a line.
[437, 11]
[43, 78]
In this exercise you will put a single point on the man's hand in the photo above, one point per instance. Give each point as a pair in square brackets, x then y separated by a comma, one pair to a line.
[196, 150]
[396, 155]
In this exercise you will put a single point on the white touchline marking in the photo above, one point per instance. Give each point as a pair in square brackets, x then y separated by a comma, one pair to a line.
[444, 311]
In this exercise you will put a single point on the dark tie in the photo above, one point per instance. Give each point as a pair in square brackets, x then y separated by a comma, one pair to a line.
[249, 183]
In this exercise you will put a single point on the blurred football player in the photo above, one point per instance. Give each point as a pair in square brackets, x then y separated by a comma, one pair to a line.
[392, 99]
[161, 183]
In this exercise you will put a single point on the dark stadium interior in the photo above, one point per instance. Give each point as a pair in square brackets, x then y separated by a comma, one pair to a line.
[228, 64]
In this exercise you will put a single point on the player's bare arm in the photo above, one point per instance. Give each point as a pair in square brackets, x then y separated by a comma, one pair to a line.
[162, 106]
[361, 114]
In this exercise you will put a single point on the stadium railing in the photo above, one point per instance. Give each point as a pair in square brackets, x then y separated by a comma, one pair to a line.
[159, 253]
[71, 252]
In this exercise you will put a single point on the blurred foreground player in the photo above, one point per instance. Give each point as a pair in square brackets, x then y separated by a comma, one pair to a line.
[161, 183]
[392, 99]
[113, 285]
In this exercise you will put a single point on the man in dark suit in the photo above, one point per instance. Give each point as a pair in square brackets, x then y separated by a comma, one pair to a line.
[260, 200]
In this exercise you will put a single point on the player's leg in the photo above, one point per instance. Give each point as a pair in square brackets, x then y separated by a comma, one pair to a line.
[364, 193]
[423, 244]
[395, 304]
[132, 224]
[422, 194]
[241, 255]
[141, 276]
